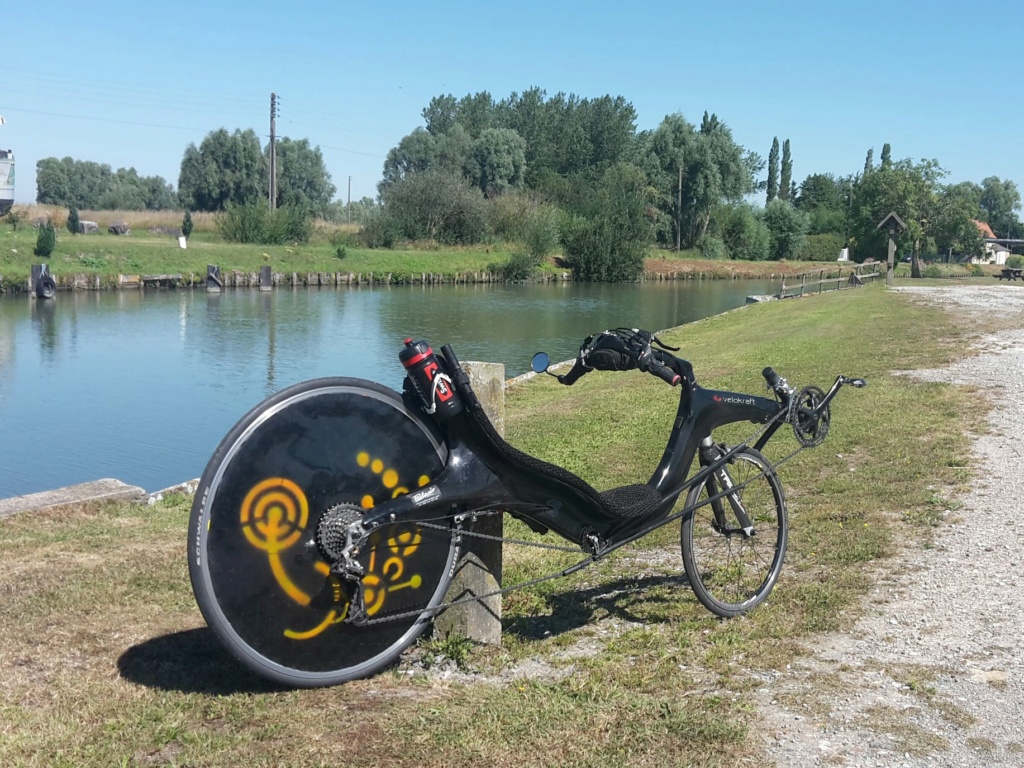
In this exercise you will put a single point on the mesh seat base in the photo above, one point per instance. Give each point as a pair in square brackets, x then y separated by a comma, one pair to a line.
[631, 500]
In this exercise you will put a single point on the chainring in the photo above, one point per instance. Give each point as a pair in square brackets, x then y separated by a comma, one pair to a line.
[809, 427]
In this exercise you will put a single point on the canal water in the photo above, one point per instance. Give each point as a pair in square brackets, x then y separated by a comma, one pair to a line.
[142, 385]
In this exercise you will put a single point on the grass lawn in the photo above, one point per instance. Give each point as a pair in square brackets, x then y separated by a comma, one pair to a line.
[105, 659]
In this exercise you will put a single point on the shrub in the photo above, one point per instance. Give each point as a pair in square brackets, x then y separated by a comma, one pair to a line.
[186, 225]
[382, 230]
[46, 240]
[712, 248]
[14, 218]
[437, 206]
[596, 250]
[607, 238]
[254, 223]
[976, 270]
[931, 271]
[1016, 261]
[507, 215]
[72, 222]
[788, 228]
[540, 235]
[741, 230]
[821, 248]
[520, 266]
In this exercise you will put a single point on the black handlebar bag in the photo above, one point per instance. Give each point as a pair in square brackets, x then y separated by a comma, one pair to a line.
[609, 352]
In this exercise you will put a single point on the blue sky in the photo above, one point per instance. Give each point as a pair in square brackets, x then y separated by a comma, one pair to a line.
[132, 84]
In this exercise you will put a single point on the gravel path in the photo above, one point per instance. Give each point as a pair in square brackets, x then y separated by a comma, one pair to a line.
[933, 674]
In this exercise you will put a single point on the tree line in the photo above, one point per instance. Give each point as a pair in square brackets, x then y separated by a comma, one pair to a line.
[548, 172]
[566, 170]
[226, 169]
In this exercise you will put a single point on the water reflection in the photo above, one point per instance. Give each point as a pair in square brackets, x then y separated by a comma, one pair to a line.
[44, 318]
[142, 385]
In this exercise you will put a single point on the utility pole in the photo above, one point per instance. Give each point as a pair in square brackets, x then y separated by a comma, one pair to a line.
[679, 210]
[273, 151]
[349, 208]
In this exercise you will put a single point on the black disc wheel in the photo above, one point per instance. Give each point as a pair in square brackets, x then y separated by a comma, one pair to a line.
[731, 570]
[257, 573]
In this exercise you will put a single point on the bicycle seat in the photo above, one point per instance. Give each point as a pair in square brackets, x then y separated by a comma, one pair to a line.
[538, 481]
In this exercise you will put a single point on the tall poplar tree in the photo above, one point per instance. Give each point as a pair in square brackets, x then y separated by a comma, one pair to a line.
[869, 161]
[773, 171]
[886, 156]
[786, 178]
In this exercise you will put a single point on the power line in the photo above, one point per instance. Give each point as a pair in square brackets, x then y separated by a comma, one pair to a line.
[101, 119]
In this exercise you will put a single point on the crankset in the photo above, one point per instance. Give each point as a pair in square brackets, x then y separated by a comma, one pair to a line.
[809, 417]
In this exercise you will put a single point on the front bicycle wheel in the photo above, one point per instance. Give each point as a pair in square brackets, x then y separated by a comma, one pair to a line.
[256, 571]
[729, 570]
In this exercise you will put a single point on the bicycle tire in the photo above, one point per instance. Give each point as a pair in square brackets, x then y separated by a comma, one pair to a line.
[729, 573]
[256, 572]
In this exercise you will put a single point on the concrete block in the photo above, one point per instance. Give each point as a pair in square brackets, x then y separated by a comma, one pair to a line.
[97, 490]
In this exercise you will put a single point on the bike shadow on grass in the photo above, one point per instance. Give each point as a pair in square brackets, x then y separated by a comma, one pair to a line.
[633, 600]
[192, 661]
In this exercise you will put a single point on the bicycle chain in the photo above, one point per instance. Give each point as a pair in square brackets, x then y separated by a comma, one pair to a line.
[459, 519]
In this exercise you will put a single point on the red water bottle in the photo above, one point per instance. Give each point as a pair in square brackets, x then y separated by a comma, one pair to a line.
[431, 383]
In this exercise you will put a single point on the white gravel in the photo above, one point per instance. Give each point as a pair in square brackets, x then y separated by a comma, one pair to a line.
[933, 674]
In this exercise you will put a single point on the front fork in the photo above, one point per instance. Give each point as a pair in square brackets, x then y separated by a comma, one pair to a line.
[720, 482]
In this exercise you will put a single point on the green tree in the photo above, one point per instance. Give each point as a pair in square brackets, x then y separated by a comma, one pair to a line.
[825, 199]
[52, 184]
[95, 186]
[186, 225]
[787, 229]
[72, 222]
[869, 161]
[1000, 201]
[415, 153]
[497, 161]
[46, 240]
[302, 178]
[953, 213]
[440, 114]
[819, 190]
[714, 170]
[786, 176]
[225, 168]
[773, 171]
[886, 157]
[914, 192]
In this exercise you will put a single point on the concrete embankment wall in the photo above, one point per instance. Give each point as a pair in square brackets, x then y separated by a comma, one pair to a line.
[245, 279]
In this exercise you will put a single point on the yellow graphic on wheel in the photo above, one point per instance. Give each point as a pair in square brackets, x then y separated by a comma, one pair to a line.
[274, 516]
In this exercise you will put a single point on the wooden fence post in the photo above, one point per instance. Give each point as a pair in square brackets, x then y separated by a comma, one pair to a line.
[478, 571]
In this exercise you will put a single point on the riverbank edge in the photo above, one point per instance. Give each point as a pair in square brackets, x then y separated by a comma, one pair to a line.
[86, 281]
